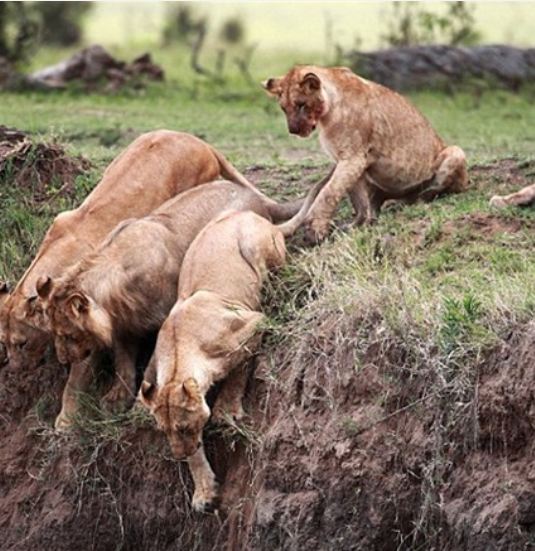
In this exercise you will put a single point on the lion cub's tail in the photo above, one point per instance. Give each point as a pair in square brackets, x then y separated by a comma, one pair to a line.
[293, 212]
[291, 226]
[279, 212]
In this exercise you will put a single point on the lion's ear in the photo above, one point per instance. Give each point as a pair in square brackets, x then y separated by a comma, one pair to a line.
[147, 393]
[29, 307]
[78, 304]
[311, 83]
[44, 286]
[273, 86]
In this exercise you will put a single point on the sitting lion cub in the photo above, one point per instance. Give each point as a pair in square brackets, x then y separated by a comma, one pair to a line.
[155, 167]
[384, 148]
[209, 333]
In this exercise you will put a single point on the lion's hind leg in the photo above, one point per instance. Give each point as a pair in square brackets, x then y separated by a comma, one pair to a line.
[525, 196]
[451, 174]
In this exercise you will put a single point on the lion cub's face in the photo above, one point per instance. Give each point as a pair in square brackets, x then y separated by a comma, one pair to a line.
[78, 324]
[21, 342]
[180, 411]
[300, 97]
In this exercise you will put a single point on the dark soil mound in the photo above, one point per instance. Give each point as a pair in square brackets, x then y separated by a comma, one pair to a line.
[41, 169]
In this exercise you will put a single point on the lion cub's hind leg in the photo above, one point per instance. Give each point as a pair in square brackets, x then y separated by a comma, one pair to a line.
[451, 175]
[525, 196]
[367, 200]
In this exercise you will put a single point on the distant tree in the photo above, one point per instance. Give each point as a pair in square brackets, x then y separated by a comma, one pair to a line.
[411, 24]
[18, 30]
[61, 22]
[183, 24]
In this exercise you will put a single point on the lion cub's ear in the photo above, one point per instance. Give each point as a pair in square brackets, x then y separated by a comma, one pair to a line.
[311, 83]
[273, 86]
[147, 393]
[44, 286]
[78, 304]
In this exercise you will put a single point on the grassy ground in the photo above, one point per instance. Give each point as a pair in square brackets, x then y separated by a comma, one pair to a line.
[246, 126]
[440, 282]
[442, 254]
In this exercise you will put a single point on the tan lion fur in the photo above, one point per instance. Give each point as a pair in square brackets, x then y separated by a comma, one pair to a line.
[209, 333]
[154, 168]
[383, 147]
[525, 196]
[126, 288]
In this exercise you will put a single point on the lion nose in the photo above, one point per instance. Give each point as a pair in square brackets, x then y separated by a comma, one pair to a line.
[294, 127]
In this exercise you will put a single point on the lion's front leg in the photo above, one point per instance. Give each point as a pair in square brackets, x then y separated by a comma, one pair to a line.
[346, 175]
[121, 396]
[80, 379]
[228, 404]
[206, 488]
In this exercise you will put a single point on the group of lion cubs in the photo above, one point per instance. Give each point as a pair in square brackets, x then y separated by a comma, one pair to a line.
[162, 245]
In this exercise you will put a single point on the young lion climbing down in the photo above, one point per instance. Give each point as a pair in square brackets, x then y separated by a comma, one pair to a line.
[154, 168]
[124, 290]
[208, 335]
[384, 148]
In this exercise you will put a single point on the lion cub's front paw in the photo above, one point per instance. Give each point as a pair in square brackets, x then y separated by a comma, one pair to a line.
[118, 399]
[315, 231]
[497, 202]
[205, 499]
[63, 422]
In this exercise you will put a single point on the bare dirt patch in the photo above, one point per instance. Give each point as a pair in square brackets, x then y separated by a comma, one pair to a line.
[503, 175]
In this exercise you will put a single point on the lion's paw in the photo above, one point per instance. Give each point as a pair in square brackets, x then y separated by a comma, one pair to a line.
[221, 414]
[315, 231]
[63, 423]
[497, 202]
[205, 500]
[118, 399]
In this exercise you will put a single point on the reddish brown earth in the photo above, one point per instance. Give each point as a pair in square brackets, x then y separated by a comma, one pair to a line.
[345, 459]
[338, 455]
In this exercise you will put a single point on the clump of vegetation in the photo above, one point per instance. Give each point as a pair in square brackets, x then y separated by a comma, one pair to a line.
[411, 24]
[61, 22]
[186, 26]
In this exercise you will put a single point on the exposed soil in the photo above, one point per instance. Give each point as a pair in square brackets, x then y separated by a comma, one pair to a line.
[335, 457]
[40, 170]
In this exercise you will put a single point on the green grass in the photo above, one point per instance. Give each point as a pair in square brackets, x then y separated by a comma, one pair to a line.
[250, 129]
[435, 286]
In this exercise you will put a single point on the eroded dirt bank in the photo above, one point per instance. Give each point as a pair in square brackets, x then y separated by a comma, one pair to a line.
[336, 457]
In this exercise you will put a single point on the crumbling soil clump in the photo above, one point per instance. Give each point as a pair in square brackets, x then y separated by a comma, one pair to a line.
[43, 169]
